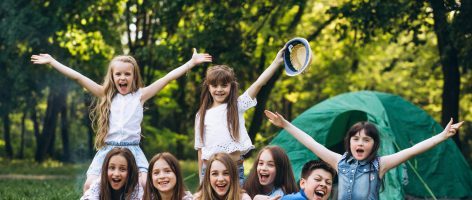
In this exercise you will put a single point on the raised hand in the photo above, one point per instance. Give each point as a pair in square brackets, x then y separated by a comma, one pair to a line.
[42, 59]
[451, 129]
[276, 118]
[280, 56]
[198, 58]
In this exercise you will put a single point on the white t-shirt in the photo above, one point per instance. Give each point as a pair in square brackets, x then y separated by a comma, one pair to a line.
[217, 137]
[126, 115]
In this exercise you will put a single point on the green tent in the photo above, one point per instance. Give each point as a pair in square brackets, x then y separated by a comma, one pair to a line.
[442, 170]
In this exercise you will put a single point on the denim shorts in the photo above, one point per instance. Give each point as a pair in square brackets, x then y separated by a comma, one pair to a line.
[97, 162]
[240, 170]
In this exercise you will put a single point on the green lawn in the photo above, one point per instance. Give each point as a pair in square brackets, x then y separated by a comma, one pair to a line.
[24, 179]
[21, 179]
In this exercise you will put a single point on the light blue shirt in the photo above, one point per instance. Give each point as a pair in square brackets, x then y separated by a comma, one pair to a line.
[276, 192]
[358, 180]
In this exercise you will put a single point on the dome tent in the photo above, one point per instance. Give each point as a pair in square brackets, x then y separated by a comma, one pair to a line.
[442, 170]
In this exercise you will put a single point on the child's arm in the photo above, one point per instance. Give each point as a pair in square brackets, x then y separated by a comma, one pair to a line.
[390, 161]
[155, 87]
[199, 162]
[330, 157]
[254, 89]
[85, 82]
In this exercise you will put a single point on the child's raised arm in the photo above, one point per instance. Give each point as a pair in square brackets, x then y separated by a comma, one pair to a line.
[330, 157]
[390, 161]
[84, 81]
[254, 89]
[155, 87]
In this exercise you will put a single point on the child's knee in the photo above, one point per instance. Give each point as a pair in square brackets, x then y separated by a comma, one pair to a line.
[88, 182]
[142, 179]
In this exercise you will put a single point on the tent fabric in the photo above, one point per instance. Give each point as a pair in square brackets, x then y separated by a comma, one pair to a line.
[401, 125]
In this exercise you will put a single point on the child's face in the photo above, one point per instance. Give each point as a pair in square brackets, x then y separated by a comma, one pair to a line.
[122, 76]
[318, 185]
[163, 178]
[361, 145]
[117, 172]
[220, 179]
[219, 93]
[266, 170]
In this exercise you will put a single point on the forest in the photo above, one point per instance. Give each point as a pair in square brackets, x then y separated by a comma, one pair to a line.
[419, 50]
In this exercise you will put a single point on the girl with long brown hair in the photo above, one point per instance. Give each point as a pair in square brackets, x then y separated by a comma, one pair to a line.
[219, 123]
[164, 180]
[271, 174]
[119, 178]
[221, 180]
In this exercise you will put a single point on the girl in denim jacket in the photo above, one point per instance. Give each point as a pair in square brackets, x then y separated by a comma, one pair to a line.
[360, 169]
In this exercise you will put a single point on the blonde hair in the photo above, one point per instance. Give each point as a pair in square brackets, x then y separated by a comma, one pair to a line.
[234, 191]
[220, 74]
[100, 113]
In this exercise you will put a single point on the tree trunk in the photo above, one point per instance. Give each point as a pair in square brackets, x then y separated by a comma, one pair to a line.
[65, 135]
[262, 98]
[34, 118]
[6, 135]
[450, 66]
[56, 100]
[21, 154]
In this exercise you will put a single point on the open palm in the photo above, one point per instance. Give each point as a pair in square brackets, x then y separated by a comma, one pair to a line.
[41, 59]
[198, 58]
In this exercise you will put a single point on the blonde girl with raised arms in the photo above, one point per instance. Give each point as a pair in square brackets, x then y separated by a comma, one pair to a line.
[361, 160]
[219, 123]
[118, 112]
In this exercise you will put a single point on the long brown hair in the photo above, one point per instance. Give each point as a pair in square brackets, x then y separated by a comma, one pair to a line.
[234, 192]
[151, 192]
[215, 75]
[284, 178]
[100, 112]
[131, 180]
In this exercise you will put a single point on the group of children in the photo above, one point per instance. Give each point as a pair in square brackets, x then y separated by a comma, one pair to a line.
[120, 169]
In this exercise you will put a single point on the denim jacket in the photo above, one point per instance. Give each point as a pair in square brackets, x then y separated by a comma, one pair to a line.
[358, 180]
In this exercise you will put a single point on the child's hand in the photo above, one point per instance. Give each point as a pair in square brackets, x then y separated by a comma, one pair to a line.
[42, 59]
[198, 58]
[451, 129]
[279, 59]
[265, 197]
[276, 118]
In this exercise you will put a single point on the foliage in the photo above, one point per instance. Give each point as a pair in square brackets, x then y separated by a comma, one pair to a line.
[358, 45]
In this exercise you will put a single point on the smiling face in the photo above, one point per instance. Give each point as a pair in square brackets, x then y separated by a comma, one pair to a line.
[117, 172]
[163, 178]
[361, 145]
[266, 170]
[219, 93]
[122, 76]
[318, 185]
[220, 179]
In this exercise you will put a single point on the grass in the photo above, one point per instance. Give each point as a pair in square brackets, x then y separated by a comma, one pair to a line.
[25, 179]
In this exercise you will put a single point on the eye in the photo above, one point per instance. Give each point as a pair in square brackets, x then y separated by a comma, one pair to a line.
[260, 163]
[128, 73]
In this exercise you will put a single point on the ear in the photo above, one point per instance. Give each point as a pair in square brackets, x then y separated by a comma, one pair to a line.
[302, 183]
